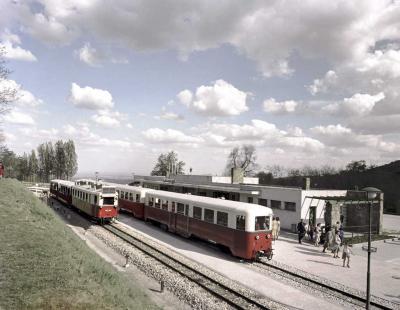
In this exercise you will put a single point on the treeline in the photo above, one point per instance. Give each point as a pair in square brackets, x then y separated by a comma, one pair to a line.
[58, 160]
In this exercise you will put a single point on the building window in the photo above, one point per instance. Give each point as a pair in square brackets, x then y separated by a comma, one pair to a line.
[209, 215]
[263, 202]
[240, 222]
[222, 218]
[290, 206]
[250, 199]
[180, 208]
[275, 204]
[197, 213]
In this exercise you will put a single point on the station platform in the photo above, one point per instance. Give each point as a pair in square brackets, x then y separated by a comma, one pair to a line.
[385, 264]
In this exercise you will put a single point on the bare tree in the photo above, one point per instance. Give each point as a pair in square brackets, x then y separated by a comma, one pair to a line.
[242, 157]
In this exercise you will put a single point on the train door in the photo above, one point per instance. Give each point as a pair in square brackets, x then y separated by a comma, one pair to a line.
[172, 218]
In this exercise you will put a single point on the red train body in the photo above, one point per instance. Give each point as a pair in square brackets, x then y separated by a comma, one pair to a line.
[176, 213]
[96, 200]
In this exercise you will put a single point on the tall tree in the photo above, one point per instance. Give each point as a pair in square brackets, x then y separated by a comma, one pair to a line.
[60, 159]
[168, 164]
[33, 166]
[71, 159]
[357, 166]
[242, 157]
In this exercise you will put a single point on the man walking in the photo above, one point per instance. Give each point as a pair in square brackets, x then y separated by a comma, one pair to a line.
[301, 230]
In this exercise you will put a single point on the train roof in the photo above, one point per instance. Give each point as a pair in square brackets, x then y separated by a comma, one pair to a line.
[63, 182]
[221, 204]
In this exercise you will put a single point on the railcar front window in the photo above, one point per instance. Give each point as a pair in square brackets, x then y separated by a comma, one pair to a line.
[240, 222]
[262, 223]
[108, 200]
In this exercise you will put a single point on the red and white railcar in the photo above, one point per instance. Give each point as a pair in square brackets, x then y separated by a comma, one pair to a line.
[244, 228]
[97, 200]
[61, 190]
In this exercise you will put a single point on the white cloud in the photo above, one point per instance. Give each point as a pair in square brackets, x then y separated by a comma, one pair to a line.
[171, 116]
[90, 98]
[90, 55]
[220, 99]
[274, 107]
[19, 118]
[10, 43]
[358, 104]
[108, 118]
[157, 135]
[24, 98]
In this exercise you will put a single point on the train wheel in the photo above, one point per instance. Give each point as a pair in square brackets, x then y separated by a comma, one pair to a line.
[270, 254]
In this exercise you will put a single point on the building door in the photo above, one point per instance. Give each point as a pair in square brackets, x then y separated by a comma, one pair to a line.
[313, 216]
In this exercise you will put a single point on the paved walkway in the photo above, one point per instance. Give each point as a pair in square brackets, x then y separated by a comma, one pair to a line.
[385, 265]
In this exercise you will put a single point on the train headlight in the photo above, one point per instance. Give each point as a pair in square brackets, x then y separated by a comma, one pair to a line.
[257, 237]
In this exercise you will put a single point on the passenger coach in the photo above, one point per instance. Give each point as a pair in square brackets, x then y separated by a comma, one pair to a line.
[244, 228]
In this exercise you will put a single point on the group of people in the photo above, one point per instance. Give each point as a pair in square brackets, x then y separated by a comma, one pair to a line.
[334, 239]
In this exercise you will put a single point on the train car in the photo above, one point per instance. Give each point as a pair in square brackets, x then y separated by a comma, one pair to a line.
[61, 190]
[131, 199]
[97, 200]
[244, 228]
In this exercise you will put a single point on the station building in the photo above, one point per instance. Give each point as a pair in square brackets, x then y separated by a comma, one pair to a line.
[290, 204]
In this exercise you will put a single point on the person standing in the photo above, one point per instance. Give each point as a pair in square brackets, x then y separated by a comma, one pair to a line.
[327, 238]
[317, 234]
[341, 234]
[274, 228]
[301, 230]
[346, 254]
[311, 230]
[278, 225]
[336, 246]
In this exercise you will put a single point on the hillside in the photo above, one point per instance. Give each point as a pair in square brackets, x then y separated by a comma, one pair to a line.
[385, 177]
[44, 265]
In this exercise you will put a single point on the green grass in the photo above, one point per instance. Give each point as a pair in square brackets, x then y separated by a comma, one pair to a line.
[44, 265]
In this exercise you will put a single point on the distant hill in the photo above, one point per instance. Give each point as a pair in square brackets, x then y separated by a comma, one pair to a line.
[385, 177]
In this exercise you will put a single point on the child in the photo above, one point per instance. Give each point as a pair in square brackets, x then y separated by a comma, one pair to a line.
[346, 254]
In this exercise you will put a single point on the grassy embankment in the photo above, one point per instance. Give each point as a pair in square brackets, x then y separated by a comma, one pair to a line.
[44, 265]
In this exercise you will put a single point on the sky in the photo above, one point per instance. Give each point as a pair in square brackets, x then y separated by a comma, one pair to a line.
[307, 82]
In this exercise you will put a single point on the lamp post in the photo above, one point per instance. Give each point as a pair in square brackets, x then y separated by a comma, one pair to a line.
[371, 192]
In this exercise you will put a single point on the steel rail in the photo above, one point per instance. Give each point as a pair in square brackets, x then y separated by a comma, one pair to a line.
[324, 285]
[213, 286]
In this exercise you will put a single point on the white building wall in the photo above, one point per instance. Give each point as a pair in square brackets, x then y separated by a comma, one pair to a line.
[318, 203]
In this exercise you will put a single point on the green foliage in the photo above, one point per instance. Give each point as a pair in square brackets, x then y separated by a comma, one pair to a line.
[44, 265]
[58, 161]
[168, 164]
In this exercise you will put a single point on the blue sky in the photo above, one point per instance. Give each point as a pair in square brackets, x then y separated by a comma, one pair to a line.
[307, 84]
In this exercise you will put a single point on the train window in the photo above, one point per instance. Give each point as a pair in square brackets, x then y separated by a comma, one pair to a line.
[222, 218]
[262, 223]
[151, 201]
[126, 195]
[173, 207]
[121, 195]
[164, 205]
[95, 199]
[209, 215]
[240, 222]
[180, 208]
[131, 196]
[157, 203]
[187, 210]
[137, 198]
[197, 213]
[108, 200]
[118, 192]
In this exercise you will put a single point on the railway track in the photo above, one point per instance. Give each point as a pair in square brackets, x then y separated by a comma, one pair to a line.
[213, 286]
[325, 288]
